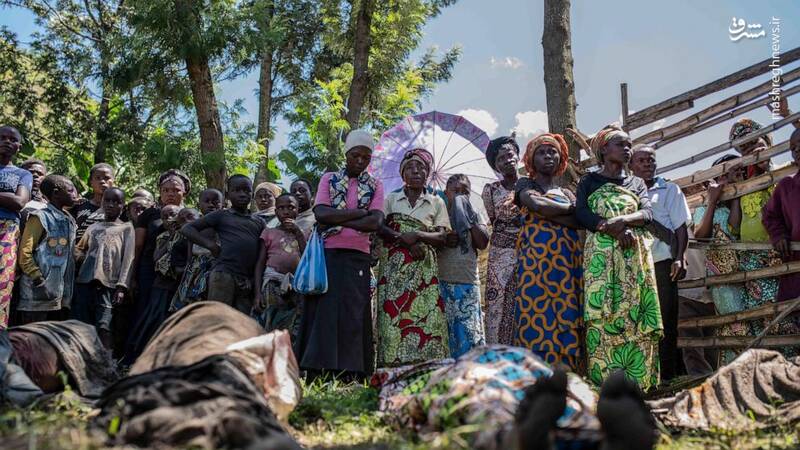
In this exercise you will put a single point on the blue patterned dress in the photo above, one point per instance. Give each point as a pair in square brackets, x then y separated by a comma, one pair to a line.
[547, 314]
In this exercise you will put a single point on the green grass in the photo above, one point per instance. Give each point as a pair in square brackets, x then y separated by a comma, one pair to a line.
[332, 415]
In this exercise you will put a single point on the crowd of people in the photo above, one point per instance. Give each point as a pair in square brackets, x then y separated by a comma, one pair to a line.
[586, 280]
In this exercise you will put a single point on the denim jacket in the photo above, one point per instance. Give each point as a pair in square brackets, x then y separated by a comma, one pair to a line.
[54, 256]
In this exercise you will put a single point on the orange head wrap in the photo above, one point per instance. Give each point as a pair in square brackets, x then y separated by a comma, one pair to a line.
[555, 140]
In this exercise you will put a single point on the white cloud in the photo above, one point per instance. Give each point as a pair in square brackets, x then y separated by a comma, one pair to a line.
[529, 124]
[481, 119]
[508, 62]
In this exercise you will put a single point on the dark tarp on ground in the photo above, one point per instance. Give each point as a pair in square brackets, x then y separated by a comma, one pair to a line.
[758, 389]
[209, 404]
[195, 332]
[79, 351]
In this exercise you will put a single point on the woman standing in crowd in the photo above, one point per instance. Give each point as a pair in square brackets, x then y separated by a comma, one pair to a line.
[503, 157]
[264, 198]
[302, 191]
[173, 186]
[411, 322]
[621, 309]
[336, 327]
[15, 192]
[549, 285]
[751, 229]
[720, 221]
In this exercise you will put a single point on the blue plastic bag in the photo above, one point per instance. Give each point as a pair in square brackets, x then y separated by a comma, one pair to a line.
[311, 276]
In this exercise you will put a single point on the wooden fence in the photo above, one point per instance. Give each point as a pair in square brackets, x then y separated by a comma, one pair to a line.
[720, 112]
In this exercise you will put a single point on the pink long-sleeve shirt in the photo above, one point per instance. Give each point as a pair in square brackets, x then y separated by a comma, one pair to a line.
[781, 218]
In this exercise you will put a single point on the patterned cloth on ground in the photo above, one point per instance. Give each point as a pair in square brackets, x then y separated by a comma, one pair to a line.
[481, 388]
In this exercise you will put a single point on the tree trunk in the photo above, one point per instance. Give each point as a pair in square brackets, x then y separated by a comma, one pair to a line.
[558, 80]
[361, 46]
[205, 105]
[264, 114]
[265, 83]
[102, 131]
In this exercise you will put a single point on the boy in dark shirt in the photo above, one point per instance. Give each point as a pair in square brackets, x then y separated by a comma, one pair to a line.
[101, 177]
[231, 278]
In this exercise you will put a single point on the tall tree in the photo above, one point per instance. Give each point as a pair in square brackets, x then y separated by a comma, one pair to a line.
[196, 35]
[394, 85]
[362, 41]
[558, 80]
[82, 34]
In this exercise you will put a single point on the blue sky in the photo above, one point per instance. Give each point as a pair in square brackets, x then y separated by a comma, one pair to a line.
[660, 49]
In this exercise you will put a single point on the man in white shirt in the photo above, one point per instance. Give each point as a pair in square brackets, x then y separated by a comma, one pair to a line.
[671, 211]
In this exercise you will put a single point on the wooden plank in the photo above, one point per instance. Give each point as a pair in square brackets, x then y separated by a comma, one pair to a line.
[715, 109]
[741, 277]
[787, 340]
[744, 187]
[724, 117]
[743, 161]
[768, 310]
[738, 245]
[731, 144]
[714, 86]
[623, 95]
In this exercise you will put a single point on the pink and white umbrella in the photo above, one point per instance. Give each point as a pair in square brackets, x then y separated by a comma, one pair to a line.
[457, 146]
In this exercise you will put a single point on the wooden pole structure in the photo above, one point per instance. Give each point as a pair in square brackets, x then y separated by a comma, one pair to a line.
[741, 277]
[731, 144]
[768, 310]
[724, 117]
[646, 115]
[743, 161]
[711, 245]
[787, 340]
[744, 187]
[623, 94]
[715, 109]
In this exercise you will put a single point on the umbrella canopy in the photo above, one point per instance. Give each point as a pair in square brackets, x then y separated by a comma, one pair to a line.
[456, 144]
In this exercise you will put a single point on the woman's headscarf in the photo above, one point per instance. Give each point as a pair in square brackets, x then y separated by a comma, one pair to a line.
[176, 175]
[557, 141]
[745, 126]
[604, 136]
[494, 148]
[417, 154]
[272, 187]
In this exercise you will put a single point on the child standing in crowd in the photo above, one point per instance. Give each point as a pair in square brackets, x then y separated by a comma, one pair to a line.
[275, 301]
[101, 177]
[105, 255]
[15, 192]
[38, 171]
[194, 283]
[46, 247]
[302, 191]
[231, 278]
[458, 269]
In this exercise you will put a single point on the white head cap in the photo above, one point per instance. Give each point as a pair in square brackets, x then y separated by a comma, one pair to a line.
[358, 138]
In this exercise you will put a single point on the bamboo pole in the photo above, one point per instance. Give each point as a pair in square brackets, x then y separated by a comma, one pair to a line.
[644, 116]
[737, 245]
[731, 144]
[744, 187]
[768, 310]
[787, 340]
[715, 109]
[741, 277]
[724, 117]
[743, 161]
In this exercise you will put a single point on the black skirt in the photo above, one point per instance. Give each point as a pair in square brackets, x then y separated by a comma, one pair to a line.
[336, 327]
